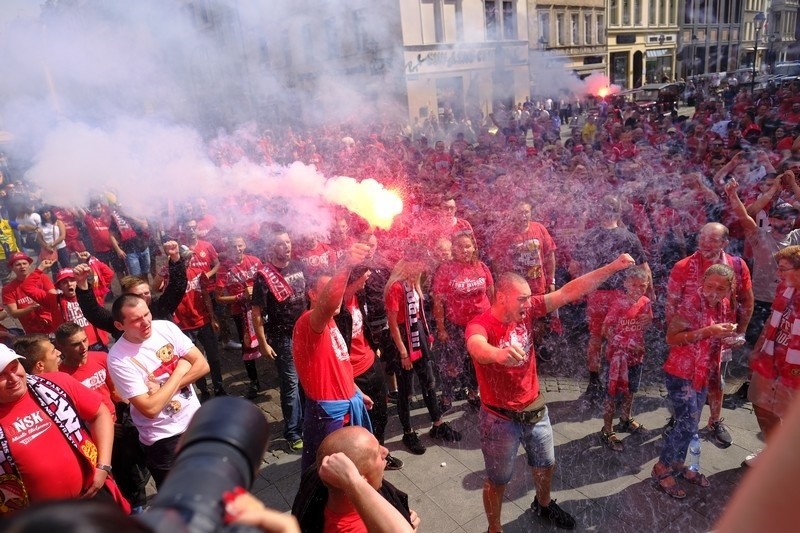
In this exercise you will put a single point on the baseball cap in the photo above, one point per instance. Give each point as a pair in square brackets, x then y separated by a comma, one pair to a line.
[783, 210]
[672, 130]
[6, 356]
[18, 256]
[65, 273]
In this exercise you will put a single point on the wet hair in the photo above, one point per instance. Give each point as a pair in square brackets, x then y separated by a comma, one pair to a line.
[129, 282]
[67, 330]
[723, 271]
[73, 516]
[791, 254]
[122, 302]
[29, 347]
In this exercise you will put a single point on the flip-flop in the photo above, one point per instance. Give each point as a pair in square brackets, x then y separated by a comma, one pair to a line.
[674, 491]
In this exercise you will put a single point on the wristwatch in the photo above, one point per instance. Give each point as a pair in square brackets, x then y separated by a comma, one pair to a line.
[107, 468]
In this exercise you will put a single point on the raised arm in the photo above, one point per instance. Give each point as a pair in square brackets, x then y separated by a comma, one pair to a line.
[739, 211]
[585, 284]
[170, 299]
[329, 300]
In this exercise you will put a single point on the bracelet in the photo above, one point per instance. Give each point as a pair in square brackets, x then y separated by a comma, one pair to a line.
[401, 357]
[106, 468]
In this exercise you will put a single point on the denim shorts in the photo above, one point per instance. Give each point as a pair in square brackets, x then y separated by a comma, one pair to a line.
[500, 440]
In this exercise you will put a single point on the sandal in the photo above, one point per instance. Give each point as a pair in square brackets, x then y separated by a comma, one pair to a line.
[611, 441]
[630, 426]
[696, 478]
[674, 490]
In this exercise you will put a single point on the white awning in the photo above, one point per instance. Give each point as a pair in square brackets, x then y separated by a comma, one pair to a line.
[661, 52]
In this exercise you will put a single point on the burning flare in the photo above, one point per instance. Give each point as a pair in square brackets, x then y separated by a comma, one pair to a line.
[368, 199]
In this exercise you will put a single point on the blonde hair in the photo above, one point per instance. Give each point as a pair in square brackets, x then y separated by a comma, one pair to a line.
[402, 272]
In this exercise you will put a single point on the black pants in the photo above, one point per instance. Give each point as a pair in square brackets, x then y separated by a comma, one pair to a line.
[208, 340]
[160, 456]
[128, 460]
[373, 383]
[761, 314]
[423, 368]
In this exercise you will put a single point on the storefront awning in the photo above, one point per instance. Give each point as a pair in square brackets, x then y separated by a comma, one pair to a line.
[658, 53]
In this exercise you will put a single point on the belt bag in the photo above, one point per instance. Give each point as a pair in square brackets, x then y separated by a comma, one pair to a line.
[532, 414]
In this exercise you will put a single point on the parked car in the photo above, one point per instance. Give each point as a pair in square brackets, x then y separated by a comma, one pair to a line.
[661, 97]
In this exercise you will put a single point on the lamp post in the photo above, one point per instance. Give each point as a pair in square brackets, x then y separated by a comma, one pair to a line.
[758, 20]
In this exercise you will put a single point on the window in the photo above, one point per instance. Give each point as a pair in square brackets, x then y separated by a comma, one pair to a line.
[688, 15]
[672, 10]
[651, 13]
[714, 15]
[587, 29]
[559, 29]
[287, 48]
[544, 28]
[613, 13]
[701, 11]
[662, 15]
[601, 30]
[331, 39]
[509, 21]
[359, 25]
[626, 12]
[637, 12]
[574, 28]
[490, 18]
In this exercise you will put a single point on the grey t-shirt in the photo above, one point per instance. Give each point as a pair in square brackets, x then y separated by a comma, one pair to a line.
[765, 273]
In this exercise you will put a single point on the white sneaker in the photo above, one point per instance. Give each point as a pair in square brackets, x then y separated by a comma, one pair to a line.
[752, 459]
[233, 345]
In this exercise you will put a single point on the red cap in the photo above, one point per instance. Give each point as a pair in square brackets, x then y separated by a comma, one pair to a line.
[18, 256]
[65, 273]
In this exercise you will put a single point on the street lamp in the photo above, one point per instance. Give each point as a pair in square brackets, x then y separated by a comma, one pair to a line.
[758, 20]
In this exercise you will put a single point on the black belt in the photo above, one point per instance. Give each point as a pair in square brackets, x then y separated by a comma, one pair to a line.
[522, 417]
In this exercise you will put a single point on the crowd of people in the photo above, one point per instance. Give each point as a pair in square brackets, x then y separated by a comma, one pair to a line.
[674, 224]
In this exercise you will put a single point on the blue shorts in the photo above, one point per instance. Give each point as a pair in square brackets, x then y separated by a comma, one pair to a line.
[500, 440]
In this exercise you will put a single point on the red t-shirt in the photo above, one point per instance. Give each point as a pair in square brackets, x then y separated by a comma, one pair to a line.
[507, 387]
[322, 362]
[463, 288]
[99, 232]
[192, 312]
[39, 321]
[318, 260]
[361, 354]
[234, 278]
[48, 463]
[625, 324]
[203, 257]
[343, 523]
[524, 253]
[396, 301]
[93, 374]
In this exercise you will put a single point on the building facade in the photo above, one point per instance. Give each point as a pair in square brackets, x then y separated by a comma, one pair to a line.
[571, 33]
[711, 37]
[642, 41]
[464, 57]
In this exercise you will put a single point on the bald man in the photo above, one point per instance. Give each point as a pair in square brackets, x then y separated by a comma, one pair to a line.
[346, 491]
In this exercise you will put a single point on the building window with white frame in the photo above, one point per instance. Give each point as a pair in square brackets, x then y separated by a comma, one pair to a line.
[613, 12]
[637, 12]
[626, 12]
[601, 29]
[509, 20]
[544, 28]
[651, 13]
[574, 35]
[587, 29]
[560, 29]
[491, 20]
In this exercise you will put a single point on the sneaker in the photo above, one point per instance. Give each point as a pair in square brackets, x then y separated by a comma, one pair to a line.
[393, 463]
[391, 397]
[554, 513]
[296, 445]
[752, 459]
[669, 426]
[232, 345]
[412, 442]
[720, 432]
[444, 431]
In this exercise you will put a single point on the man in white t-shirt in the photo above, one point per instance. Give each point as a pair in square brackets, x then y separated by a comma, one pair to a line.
[153, 366]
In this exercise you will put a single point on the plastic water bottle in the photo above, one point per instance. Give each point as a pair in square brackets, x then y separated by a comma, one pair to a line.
[694, 454]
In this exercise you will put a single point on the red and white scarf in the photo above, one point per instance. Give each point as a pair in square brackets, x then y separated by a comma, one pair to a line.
[416, 324]
[55, 403]
[783, 299]
[278, 286]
